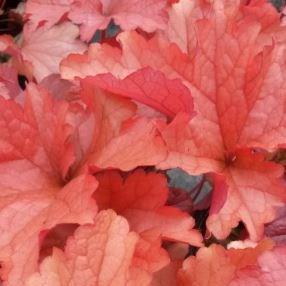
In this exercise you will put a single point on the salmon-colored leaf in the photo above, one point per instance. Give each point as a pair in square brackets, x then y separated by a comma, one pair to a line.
[270, 268]
[98, 59]
[119, 140]
[194, 84]
[45, 48]
[33, 207]
[45, 12]
[253, 190]
[54, 130]
[97, 254]
[205, 269]
[36, 194]
[149, 15]
[221, 52]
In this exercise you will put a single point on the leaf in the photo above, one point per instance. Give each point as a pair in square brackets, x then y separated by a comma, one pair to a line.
[97, 254]
[141, 198]
[55, 237]
[46, 145]
[149, 15]
[253, 190]
[9, 87]
[270, 267]
[45, 13]
[28, 145]
[270, 20]
[151, 88]
[98, 59]
[35, 193]
[191, 149]
[32, 208]
[245, 253]
[167, 276]
[53, 129]
[161, 55]
[238, 85]
[119, 140]
[204, 269]
[242, 177]
[129, 149]
[149, 254]
[45, 48]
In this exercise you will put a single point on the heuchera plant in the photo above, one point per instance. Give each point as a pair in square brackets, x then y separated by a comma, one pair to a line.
[114, 95]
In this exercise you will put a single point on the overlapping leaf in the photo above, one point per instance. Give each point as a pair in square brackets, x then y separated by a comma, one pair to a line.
[203, 89]
[141, 199]
[45, 145]
[40, 52]
[45, 13]
[38, 199]
[98, 254]
[217, 266]
[224, 57]
[119, 139]
[270, 267]
[149, 15]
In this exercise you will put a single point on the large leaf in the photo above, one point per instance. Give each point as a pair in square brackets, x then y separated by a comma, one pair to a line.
[222, 53]
[35, 192]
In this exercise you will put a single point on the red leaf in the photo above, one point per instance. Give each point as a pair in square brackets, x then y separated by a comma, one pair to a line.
[167, 276]
[269, 19]
[141, 198]
[151, 88]
[230, 55]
